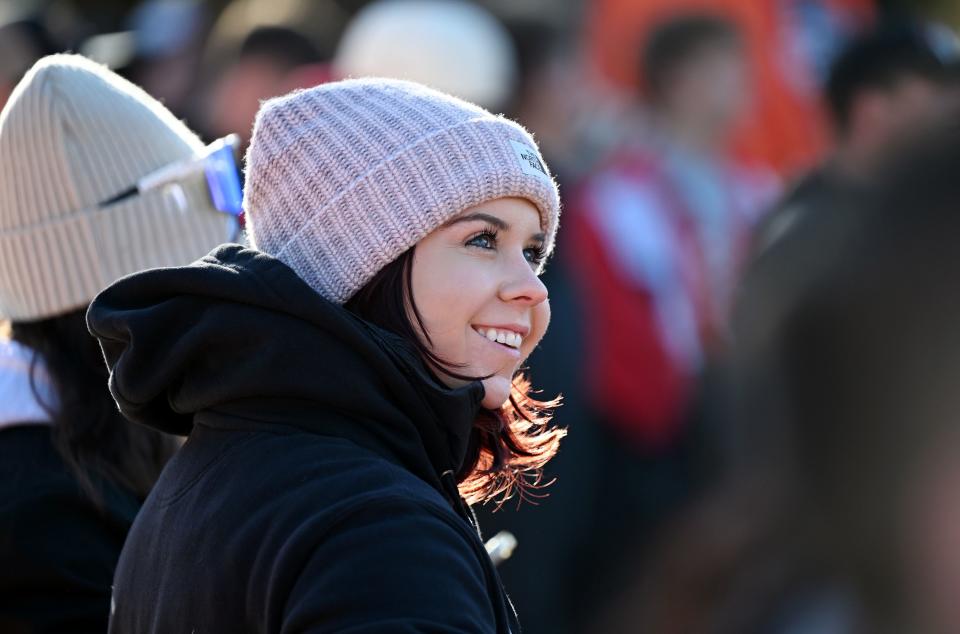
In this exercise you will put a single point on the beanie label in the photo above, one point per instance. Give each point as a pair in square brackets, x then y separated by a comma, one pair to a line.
[530, 163]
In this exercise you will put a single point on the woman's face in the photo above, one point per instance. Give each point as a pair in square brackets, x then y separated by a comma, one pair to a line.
[475, 284]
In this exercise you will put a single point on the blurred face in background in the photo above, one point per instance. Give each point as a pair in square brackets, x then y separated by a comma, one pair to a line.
[712, 88]
[476, 285]
[913, 100]
[883, 117]
[237, 95]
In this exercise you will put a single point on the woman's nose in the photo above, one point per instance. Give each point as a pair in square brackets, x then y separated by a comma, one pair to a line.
[522, 284]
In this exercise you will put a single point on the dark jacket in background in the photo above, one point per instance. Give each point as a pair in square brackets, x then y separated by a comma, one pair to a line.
[822, 191]
[315, 492]
[58, 549]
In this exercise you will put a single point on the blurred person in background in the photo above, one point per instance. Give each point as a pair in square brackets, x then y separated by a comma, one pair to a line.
[661, 226]
[882, 89]
[885, 89]
[788, 42]
[258, 49]
[839, 514]
[74, 138]
[262, 68]
[658, 231]
[347, 380]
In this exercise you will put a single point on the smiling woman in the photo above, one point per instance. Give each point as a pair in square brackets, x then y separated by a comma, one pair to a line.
[469, 297]
[346, 383]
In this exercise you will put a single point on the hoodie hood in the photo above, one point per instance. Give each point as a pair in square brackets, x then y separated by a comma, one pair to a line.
[238, 340]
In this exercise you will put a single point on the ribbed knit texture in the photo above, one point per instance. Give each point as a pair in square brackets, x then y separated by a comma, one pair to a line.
[73, 135]
[345, 177]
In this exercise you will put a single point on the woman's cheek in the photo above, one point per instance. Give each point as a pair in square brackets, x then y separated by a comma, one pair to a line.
[539, 321]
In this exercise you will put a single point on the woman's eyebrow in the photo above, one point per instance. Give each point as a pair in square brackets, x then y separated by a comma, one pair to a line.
[496, 222]
[493, 220]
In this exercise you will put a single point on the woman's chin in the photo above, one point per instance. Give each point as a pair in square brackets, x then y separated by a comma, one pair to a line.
[496, 392]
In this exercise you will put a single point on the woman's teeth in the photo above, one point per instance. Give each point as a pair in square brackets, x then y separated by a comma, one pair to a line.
[506, 337]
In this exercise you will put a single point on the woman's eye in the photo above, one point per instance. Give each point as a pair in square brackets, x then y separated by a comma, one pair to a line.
[534, 255]
[484, 241]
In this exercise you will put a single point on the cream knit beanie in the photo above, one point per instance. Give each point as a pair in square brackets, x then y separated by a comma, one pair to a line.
[72, 136]
[345, 177]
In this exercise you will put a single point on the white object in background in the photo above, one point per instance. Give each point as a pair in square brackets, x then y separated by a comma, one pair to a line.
[500, 547]
[450, 45]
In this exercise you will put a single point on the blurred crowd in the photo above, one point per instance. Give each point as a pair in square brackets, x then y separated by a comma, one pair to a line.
[752, 293]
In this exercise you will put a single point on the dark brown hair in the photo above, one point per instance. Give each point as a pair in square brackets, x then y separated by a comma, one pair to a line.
[509, 446]
[94, 440]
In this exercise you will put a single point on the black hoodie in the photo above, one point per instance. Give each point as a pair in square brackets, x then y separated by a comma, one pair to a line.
[315, 492]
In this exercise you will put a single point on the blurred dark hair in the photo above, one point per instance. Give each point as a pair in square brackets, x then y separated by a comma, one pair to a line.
[22, 43]
[286, 47]
[536, 44]
[676, 41]
[94, 440]
[879, 60]
[508, 447]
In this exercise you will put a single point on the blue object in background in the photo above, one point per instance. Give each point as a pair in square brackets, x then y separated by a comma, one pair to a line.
[223, 180]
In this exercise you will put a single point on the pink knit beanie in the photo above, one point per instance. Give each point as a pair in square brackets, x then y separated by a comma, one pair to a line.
[345, 177]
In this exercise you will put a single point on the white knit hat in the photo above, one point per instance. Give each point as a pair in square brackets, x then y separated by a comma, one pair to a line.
[72, 136]
[345, 177]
